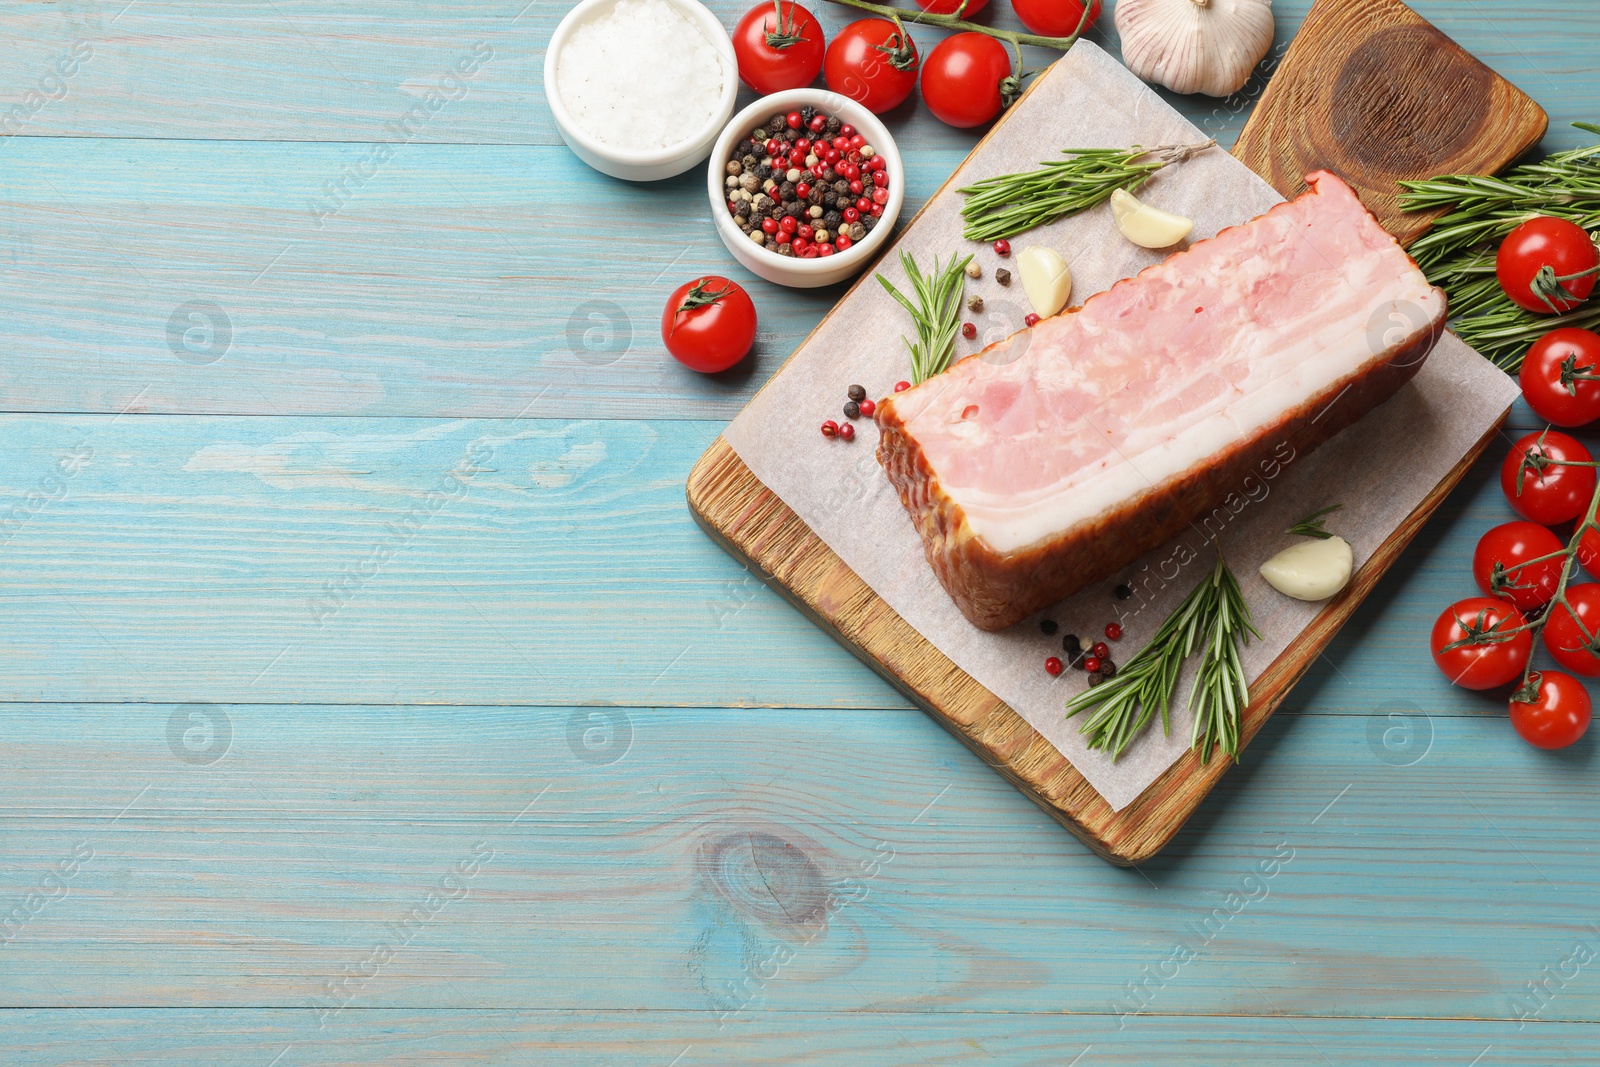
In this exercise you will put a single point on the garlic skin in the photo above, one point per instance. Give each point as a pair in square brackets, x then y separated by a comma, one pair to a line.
[1146, 226]
[1195, 46]
[1311, 570]
[1045, 279]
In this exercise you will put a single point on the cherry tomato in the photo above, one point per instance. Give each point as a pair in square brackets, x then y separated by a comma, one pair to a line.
[1543, 257]
[1550, 491]
[709, 324]
[1556, 380]
[873, 63]
[1555, 714]
[1054, 18]
[961, 79]
[950, 7]
[1589, 552]
[1497, 564]
[1497, 659]
[1563, 638]
[779, 46]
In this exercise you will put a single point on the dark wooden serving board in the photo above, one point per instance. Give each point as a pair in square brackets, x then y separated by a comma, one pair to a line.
[1359, 73]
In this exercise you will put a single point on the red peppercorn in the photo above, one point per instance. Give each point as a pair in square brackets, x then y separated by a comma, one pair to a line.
[803, 144]
[876, 163]
[847, 432]
[1101, 649]
[880, 179]
[1091, 664]
[793, 119]
[857, 141]
[769, 225]
[810, 252]
[850, 214]
[857, 188]
[784, 237]
[1002, 247]
[824, 248]
[867, 407]
[818, 169]
[805, 232]
[880, 196]
[877, 211]
[1052, 665]
[830, 429]
[847, 130]
[818, 123]
[773, 146]
[842, 242]
[802, 190]
[1030, 319]
[1114, 631]
[969, 330]
[901, 387]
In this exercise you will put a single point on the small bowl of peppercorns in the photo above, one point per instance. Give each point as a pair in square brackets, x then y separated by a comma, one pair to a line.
[805, 187]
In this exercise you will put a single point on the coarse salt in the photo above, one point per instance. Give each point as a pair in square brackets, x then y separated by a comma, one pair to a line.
[640, 75]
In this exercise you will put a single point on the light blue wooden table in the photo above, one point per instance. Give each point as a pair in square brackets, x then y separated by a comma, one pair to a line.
[370, 697]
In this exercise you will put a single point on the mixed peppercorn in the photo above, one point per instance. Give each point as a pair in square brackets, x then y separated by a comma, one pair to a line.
[806, 185]
[1096, 659]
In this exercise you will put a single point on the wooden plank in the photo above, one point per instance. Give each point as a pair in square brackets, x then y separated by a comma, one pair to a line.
[756, 527]
[1372, 90]
[119, 1038]
[654, 864]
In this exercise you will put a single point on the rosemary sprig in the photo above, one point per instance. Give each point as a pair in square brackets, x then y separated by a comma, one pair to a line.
[1457, 254]
[1008, 204]
[936, 312]
[1211, 618]
[1311, 525]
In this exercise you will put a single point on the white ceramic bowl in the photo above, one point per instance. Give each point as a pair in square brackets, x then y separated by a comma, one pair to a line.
[789, 270]
[657, 163]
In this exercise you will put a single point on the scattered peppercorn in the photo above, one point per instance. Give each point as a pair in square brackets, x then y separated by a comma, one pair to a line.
[867, 407]
[901, 387]
[856, 392]
[1071, 645]
[1095, 678]
[1101, 649]
[1124, 591]
[1048, 627]
[1108, 669]
[847, 432]
[1078, 659]
[1002, 276]
[830, 429]
[852, 410]
[973, 270]
[1052, 666]
[1114, 631]
[1002, 247]
[1030, 319]
[975, 304]
[1091, 663]
[969, 330]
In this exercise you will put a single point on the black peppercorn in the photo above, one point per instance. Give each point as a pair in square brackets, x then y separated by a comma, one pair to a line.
[776, 124]
[1079, 658]
[856, 392]
[1124, 591]
[1048, 627]
[830, 199]
[1002, 276]
[830, 176]
[807, 113]
[834, 125]
[852, 410]
[831, 219]
[786, 192]
[869, 221]
[814, 194]
[1071, 645]
[785, 249]
[841, 187]
[763, 172]
[1095, 678]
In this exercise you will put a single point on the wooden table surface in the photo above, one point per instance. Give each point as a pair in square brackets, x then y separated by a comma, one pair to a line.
[371, 697]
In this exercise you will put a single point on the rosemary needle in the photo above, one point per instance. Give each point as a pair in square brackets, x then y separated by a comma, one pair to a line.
[1211, 619]
[936, 312]
[1312, 524]
[1008, 204]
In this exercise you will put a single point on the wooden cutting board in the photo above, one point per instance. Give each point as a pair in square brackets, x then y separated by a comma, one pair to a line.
[1357, 69]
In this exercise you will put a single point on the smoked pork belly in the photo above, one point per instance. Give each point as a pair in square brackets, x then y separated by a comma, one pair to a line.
[1056, 457]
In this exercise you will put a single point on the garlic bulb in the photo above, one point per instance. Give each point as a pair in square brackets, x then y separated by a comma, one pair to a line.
[1195, 46]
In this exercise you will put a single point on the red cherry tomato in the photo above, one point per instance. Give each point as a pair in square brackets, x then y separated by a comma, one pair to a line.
[950, 7]
[1564, 639]
[1555, 377]
[1550, 491]
[1054, 18]
[1497, 565]
[1534, 259]
[1589, 552]
[709, 324]
[1556, 713]
[961, 79]
[873, 63]
[1497, 659]
[779, 46]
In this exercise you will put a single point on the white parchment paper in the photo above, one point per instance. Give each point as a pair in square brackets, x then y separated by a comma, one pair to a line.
[1379, 469]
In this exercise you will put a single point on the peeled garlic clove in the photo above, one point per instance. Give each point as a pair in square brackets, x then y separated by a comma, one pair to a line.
[1045, 278]
[1311, 570]
[1194, 46]
[1146, 226]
